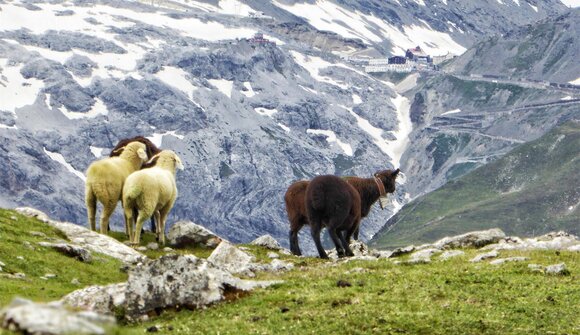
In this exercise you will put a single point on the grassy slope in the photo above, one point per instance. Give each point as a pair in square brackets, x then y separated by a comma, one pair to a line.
[439, 298]
[527, 192]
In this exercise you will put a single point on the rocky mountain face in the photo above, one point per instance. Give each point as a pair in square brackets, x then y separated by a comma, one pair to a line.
[246, 116]
[545, 51]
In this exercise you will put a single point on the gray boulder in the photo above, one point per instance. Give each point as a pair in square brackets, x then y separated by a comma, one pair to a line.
[101, 299]
[422, 256]
[487, 255]
[475, 239]
[557, 269]
[86, 238]
[448, 254]
[70, 250]
[551, 241]
[35, 318]
[179, 280]
[267, 241]
[188, 234]
[232, 259]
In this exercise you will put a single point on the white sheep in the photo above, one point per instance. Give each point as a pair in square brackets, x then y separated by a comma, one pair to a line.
[151, 191]
[105, 180]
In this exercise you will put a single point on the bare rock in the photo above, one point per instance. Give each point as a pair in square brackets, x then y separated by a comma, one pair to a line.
[448, 254]
[153, 246]
[34, 318]
[278, 265]
[358, 248]
[487, 255]
[86, 238]
[403, 251]
[475, 239]
[70, 250]
[273, 255]
[232, 259]
[422, 256]
[188, 234]
[179, 280]
[551, 241]
[500, 261]
[102, 299]
[267, 241]
[557, 269]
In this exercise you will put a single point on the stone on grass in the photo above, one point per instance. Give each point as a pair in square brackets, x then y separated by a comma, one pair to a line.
[475, 239]
[358, 248]
[381, 253]
[232, 259]
[278, 265]
[487, 255]
[152, 246]
[70, 250]
[507, 260]
[536, 267]
[35, 318]
[422, 256]
[557, 269]
[267, 241]
[86, 238]
[188, 234]
[273, 255]
[403, 251]
[179, 280]
[102, 299]
[448, 254]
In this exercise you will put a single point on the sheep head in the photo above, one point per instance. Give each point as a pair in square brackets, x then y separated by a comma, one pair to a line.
[166, 159]
[134, 149]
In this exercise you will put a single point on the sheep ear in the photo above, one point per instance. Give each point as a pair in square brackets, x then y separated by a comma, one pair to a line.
[142, 154]
[118, 152]
[178, 163]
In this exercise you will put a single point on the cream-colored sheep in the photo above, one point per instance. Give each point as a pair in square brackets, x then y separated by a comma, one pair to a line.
[151, 191]
[105, 180]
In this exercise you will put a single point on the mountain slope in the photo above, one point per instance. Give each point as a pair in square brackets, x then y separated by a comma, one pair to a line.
[529, 191]
[546, 51]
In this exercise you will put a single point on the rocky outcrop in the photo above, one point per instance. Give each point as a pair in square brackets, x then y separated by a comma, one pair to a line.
[102, 299]
[551, 241]
[70, 250]
[230, 258]
[267, 241]
[86, 238]
[188, 234]
[476, 239]
[27, 317]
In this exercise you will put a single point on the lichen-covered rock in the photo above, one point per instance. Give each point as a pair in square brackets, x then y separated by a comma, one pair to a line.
[232, 259]
[475, 239]
[70, 250]
[102, 299]
[179, 280]
[557, 269]
[35, 318]
[188, 234]
[267, 241]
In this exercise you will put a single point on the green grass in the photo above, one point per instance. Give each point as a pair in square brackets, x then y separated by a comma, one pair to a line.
[530, 191]
[451, 297]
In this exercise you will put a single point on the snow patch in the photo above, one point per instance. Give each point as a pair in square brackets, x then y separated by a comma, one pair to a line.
[313, 65]
[454, 111]
[177, 78]
[356, 99]
[99, 108]
[284, 127]
[57, 157]
[397, 147]
[157, 138]
[249, 92]
[224, 86]
[308, 89]
[331, 138]
[577, 81]
[16, 91]
[96, 151]
[265, 111]
[535, 8]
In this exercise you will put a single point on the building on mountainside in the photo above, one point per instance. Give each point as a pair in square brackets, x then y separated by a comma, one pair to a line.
[260, 39]
[417, 54]
[397, 60]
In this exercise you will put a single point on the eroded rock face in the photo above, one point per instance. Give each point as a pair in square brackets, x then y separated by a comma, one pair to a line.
[34, 318]
[188, 234]
[475, 239]
[88, 239]
[179, 280]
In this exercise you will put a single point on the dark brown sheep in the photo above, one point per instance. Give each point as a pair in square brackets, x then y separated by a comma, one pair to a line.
[368, 189]
[333, 203]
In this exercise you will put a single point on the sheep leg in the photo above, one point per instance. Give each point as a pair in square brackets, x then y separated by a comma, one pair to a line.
[157, 230]
[129, 222]
[163, 213]
[108, 210]
[295, 225]
[337, 243]
[315, 231]
[138, 226]
[91, 202]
